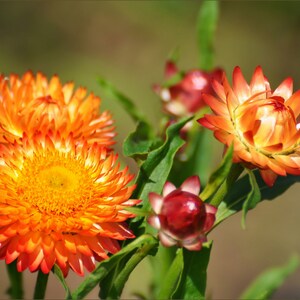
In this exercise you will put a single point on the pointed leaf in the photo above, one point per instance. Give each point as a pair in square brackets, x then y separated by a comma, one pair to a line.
[106, 266]
[218, 176]
[267, 283]
[253, 197]
[237, 195]
[58, 273]
[116, 288]
[206, 27]
[193, 280]
[198, 155]
[170, 283]
[138, 143]
[156, 168]
[128, 105]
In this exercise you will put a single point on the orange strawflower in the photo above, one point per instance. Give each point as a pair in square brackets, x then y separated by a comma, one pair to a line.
[61, 203]
[32, 103]
[260, 122]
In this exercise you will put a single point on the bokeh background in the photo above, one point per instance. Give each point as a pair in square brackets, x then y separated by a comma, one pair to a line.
[127, 42]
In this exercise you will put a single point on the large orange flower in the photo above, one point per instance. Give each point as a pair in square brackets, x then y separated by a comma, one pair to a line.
[260, 122]
[61, 203]
[32, 103]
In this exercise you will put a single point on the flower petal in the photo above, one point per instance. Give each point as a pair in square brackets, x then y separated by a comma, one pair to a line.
[294, 103]
[269, 177]
[166, 240]
[285, 89]
[156, 202]
[240, 86]
[191, 185]
[168, 188]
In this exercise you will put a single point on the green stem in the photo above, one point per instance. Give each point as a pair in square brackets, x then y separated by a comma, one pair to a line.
[16, 281]
[171, 279]
[41, 285]
[206, 27]
[123, 276]
[161, 263]
[234, 173]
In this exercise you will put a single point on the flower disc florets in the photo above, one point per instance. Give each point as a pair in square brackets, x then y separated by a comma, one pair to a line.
[61, 203]
[181, 217]
[33, 104]
[261, 123]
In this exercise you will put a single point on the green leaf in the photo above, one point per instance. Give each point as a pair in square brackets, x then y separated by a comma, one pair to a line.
[218, 176]
[206, 27]
[176, 78]
[193, 279]
[170, 283]
[253, 197]
[138, 211]
[108, 265]
[198, 157]
[174, 54]
[128, 105]
[120, 280]
[237, 195]
[58, 273]
[138, 143]
[160, 266]
[267, 283]
[156, 168]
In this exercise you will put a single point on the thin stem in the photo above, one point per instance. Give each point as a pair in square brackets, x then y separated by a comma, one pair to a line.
[16, 281]
[123, 276]
[235, 171]
[171, 278]
[41, 285]
[161, 263]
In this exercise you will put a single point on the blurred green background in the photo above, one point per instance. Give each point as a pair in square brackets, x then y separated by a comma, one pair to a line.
[127, 42]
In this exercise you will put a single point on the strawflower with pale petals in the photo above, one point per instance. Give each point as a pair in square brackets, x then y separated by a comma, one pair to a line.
[33, 103]
[184, 98]
[261, 123]
[61, 203]
[181, 217]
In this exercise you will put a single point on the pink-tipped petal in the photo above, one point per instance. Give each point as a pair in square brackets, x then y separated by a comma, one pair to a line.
[196, 244]
[194, 247]
[168, 188]
[156, 202]
[166, 240]
[154, 222]
[210, 209]
[191, 185]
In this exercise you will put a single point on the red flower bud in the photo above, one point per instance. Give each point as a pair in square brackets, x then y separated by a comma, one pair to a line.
[181, 217]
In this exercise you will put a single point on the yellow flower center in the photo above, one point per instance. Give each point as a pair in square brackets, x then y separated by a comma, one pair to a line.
[59, 178]
[55, 183]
